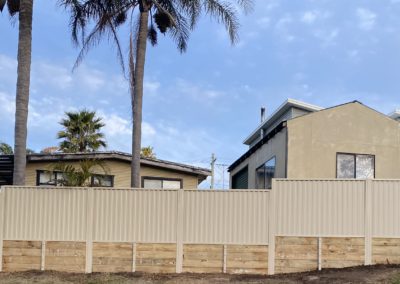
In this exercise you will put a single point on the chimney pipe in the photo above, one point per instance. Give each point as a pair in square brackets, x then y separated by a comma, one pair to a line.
[262, 114]
[262, 120]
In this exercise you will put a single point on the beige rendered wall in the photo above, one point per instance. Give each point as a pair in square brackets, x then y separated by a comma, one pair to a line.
[275, 147]
[121, 173]
[314, 140]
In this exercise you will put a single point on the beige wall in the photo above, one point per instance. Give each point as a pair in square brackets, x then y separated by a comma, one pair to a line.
[314, 140]
[121, 172]
[275, 147]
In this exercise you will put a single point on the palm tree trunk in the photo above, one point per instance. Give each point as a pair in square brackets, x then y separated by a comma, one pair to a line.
[22, 97]
[137, 99]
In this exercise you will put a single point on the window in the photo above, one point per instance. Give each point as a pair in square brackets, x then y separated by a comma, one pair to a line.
[265, 174]
[102, 181]
[49, 178]
[57, 179]
[359, 166]
[240, 180]
[161, 183]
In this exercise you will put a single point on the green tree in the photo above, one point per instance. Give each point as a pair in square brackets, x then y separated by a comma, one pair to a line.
[6, 149]
[148, 152]
[174, 17]
[24, 9]
[81, 132]
[79, 175]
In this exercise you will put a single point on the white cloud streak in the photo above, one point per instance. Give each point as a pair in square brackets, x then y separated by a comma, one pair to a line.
[366, 19]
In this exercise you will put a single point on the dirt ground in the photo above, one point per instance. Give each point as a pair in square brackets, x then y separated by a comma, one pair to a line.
[366, 274]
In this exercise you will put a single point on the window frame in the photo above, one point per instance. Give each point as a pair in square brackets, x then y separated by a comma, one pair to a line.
[162, 181]
[101, 175]
[355, 162]
[38, 172]
[262, 165]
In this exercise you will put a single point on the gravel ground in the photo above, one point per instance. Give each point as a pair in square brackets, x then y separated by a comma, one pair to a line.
[363, 274]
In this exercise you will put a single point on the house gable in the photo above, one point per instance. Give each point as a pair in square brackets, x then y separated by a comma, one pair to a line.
[316, 138]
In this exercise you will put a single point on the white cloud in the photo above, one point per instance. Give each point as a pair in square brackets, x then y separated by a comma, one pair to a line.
[309, 17]
[90, 78]
[115, 125]
[284, 22]
[51, 75]
[366, 19]
[7, 106]
[328, 37]
[282, 28]
[7, 63]
[148, 130]
[197, 92]
[264, 22]
[151, 87]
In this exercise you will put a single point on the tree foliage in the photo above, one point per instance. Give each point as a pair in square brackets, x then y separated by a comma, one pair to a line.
[6, 149]
[148, 152]
[80, 174]
[176, 18]
[81, 132]
[173, 17]
[13, 6]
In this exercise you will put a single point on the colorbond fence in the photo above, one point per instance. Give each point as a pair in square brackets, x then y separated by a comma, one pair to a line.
[299, 225]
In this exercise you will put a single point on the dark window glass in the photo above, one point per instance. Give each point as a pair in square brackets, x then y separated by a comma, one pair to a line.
[240, 180]
[265, 174]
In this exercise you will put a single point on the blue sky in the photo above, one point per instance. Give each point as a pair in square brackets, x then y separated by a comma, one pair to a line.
[323, 52]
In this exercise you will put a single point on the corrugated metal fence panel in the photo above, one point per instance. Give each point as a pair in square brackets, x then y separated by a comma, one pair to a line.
[226, 217]
[386, 208]
[319, 207]
[45, 213]
[2, 211]
[135, 215]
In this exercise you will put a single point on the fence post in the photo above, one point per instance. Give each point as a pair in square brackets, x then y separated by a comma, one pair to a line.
[368, 222]
[43, 256]
[89, 229]
[225, 256]
[2, 217]
[271, 230]
[134, 257]
[319, 253]
[179, 230]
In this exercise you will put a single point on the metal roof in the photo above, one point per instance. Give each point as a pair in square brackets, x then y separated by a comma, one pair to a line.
[116, 155]
[277, 113]
[395, 114]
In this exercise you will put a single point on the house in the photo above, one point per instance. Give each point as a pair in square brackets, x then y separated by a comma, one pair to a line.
[303, 141]
[155, 173]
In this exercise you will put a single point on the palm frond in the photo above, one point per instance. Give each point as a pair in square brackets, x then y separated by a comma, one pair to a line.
[224, 12]
[2, 4]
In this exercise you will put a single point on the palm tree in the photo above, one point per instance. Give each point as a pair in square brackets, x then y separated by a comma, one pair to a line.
[148, 152]
[79, 175]
[177, 17]
[24, 8]
[81, 132]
